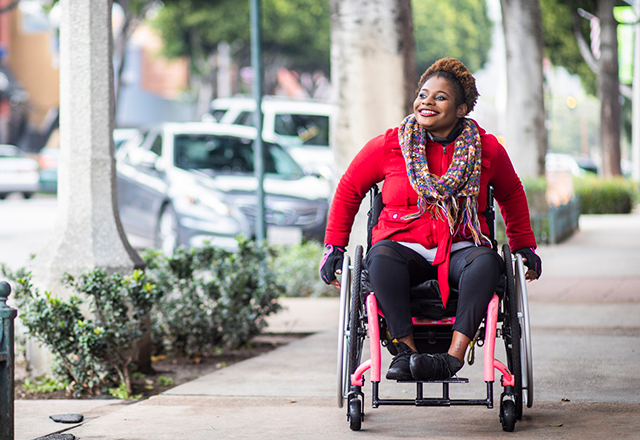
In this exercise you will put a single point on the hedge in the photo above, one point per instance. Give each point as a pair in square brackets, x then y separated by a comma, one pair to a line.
[606, 196]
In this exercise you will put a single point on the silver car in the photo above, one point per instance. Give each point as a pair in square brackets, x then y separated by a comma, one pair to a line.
[187, 183]
[18, 173]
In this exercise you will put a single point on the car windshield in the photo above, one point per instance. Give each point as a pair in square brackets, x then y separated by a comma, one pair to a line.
[229, 155]
[298, 129]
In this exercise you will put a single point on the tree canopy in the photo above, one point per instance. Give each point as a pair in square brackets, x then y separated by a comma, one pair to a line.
[560, 42]
[300, 29]
[457, 28]
[296, 29]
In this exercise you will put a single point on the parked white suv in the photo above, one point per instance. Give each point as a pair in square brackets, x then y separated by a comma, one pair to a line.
[301, 127]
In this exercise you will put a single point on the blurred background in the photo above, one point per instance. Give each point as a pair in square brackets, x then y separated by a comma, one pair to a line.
[560, 88]
[189, 62]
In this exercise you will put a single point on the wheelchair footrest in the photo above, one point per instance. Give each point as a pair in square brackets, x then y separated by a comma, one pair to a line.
[443, 400]
[450, 380]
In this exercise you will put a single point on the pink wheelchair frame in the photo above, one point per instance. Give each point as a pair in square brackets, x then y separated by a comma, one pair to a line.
[350, 340]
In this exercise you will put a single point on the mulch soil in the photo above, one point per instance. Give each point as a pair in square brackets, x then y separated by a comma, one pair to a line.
[178, 369]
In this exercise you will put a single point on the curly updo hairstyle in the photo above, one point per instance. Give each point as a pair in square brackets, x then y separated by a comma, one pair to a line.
[464, 84]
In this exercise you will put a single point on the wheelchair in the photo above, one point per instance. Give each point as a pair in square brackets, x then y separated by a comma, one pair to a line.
[507, 317]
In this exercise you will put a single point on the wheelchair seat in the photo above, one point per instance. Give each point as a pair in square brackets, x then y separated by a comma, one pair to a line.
[425, 299]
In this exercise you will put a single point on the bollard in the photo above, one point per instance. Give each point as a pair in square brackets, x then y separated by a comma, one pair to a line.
[7, 363]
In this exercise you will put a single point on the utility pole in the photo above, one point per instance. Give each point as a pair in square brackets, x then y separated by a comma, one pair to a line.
[635, 115]
[258, 148]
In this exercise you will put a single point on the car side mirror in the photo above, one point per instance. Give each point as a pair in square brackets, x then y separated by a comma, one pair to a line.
[149, 160]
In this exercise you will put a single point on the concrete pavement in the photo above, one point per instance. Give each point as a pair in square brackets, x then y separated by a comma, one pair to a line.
[585, 314]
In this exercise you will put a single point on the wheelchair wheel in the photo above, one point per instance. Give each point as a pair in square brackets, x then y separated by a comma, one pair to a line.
[343, 331]
[508, 415]
[511, 331]
[525, 326]
[357, 316]
[355, 414]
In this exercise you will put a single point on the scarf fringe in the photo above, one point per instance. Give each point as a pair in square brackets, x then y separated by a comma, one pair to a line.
[462, 179]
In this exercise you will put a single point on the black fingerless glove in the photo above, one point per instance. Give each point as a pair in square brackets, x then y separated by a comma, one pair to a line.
[533, 261]
[331, 261]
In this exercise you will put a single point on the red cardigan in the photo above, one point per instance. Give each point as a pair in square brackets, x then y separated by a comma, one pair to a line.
[381, 159]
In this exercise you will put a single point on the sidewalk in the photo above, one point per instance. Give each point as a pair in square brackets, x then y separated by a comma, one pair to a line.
[585, 314]
[599, 264]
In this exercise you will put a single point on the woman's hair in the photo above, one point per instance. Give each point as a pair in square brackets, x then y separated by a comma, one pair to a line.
[464, 84]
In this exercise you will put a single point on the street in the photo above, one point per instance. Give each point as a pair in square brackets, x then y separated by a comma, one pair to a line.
[25, 226]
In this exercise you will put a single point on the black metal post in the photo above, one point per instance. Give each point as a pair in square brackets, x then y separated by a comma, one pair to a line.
[256, 64]
[7, 363]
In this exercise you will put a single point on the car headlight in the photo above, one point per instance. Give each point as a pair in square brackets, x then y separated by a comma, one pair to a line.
[212, 202]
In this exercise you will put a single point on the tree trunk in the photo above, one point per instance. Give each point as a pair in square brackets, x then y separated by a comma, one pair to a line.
[526, 138]
[370, 55]
[87, 232]
[408, 49]
[608, 89]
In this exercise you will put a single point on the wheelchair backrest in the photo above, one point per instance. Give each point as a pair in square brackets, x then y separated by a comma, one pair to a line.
[376, 206]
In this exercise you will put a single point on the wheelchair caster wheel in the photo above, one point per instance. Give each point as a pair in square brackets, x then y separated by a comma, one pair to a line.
[508, 415]
[355, 414]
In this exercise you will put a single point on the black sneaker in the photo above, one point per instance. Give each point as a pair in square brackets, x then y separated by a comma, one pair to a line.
[399, 368]
[439, 366]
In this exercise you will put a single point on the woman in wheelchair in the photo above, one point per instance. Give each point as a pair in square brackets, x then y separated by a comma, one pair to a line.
[436, 167]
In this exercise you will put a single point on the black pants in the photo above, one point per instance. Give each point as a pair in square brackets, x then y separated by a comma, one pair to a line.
[394, 269]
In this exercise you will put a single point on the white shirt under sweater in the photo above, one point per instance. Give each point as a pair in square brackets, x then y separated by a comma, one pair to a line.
[430, 254]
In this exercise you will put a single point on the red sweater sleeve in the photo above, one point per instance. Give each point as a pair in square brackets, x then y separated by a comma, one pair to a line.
[509, 193]
[365, 170]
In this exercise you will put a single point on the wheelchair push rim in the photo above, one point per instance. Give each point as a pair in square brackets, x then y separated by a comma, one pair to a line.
[512, 333]
[343, 323]
[357, 330]
[525, 325]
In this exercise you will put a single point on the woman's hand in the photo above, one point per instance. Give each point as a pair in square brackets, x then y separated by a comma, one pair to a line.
[331, 264]
[532, 261]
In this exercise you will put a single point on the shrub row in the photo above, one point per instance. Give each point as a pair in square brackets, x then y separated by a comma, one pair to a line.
[297, 269]
[198, 301]
[212, 297]
[91, 352]
[606, 196]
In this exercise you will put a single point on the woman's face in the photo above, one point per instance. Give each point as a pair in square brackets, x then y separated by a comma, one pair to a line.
[435, 107]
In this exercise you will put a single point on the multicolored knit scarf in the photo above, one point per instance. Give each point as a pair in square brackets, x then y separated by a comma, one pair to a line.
[454, 194]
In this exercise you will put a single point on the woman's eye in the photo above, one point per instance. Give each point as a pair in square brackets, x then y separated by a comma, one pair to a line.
[441, 98]
[422, 95]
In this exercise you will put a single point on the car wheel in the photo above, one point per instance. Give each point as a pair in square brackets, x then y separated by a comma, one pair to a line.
[3, 196]
[27, 195]
[167, 231]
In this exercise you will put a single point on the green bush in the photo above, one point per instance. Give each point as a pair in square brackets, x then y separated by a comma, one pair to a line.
[43, 384]
[536, 191]
[296, 268]
[606, 196]
[121, 392]
[91, 353]
[199, 300]
[212, 297]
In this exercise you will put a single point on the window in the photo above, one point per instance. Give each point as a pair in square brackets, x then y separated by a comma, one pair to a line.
[156, 146]
[218, 114]
[298, 129]
[229, 155]
[245, 118]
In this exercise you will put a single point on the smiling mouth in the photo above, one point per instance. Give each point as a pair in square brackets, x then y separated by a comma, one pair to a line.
[425, 112]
